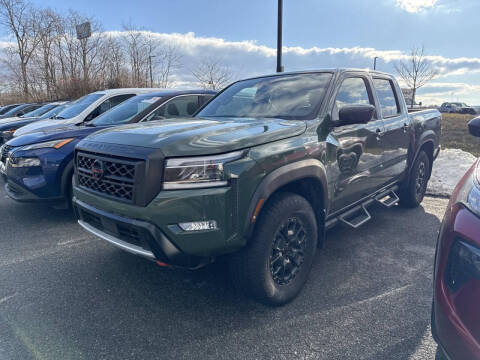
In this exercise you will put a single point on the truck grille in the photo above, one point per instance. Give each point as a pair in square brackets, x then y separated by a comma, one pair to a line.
[112, 177]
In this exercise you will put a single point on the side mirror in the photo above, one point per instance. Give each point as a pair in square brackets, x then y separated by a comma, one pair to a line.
[355, 114]
[474, 127]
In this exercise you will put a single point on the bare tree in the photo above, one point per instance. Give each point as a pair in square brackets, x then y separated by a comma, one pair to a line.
[48, 21]
[17, 16]
[212, 75]
[135, 43]
[48, 62]
[68, 49]
[115, 73]
[416, 71]
[167, 61]
[150, 47]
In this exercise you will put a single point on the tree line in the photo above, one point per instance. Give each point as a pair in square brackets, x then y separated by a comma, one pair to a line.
[45, 61]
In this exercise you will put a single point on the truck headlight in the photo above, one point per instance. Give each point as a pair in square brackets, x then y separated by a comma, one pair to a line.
[197, 172]
[54, 144]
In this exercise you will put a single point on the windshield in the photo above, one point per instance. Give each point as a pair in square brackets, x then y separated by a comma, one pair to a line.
[126, 111]
[14, 110]
[296, 96]
[79, 105]
[6, 108]
[56, 110]
[40, 111]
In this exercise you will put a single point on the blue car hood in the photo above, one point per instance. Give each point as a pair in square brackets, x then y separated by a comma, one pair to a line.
[40, 125]
[50, 134]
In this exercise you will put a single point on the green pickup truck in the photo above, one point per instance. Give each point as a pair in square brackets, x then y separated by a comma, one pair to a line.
[258, 175]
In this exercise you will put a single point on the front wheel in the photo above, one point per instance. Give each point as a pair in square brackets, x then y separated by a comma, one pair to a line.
[413, 194]
[275, 264]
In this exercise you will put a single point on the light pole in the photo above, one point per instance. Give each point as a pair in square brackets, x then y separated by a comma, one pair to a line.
[375, 62]
[150, 65]
[279, 36]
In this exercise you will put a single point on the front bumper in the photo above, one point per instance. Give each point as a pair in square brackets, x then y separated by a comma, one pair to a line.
[45, 183]
[137, 237]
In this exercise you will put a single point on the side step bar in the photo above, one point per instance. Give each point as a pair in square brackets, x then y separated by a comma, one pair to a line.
[359, 215]
[356, 217]
[388, 199]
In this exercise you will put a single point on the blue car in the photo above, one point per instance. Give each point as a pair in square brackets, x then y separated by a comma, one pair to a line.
[6, 108]
[20, 110]
[39, 166]
[9, 126]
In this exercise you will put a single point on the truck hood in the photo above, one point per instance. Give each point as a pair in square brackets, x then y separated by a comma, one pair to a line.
[50, 134]
[201, 136]
[42, 124]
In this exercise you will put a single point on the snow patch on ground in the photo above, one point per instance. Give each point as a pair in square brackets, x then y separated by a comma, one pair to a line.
[448, 169]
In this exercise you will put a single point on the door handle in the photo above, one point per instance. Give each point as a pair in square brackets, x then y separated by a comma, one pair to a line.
[379, 134]
[405, 127]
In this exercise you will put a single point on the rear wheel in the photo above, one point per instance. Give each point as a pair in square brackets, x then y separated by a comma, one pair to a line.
[275, 264]
[413, 194]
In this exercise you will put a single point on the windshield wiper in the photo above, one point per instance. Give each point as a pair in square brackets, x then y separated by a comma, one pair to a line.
[58, 118]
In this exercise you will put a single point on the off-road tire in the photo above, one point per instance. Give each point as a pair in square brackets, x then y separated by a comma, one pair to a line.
[412, 195]
[255, 269]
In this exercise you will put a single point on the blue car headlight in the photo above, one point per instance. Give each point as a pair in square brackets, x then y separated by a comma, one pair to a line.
[24, 162]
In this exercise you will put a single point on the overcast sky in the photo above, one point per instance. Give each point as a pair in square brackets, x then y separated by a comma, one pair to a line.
[317, 34]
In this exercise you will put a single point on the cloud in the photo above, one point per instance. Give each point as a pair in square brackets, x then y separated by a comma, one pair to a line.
[5, 44]
[415, 6]
[249, 58]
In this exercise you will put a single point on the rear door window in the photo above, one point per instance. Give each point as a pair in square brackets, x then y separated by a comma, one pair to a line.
[387, 97]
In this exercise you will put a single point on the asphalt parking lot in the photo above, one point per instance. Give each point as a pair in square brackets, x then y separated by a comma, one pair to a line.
[66, 295]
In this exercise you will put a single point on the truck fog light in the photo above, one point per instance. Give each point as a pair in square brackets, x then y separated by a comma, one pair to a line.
[199, 225]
